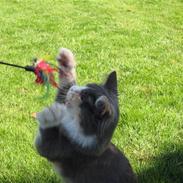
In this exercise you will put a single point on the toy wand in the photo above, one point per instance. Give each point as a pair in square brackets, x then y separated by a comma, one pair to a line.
[26, 68]
[44, 72]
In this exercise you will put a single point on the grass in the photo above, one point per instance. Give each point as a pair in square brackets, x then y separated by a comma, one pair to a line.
[142, 40]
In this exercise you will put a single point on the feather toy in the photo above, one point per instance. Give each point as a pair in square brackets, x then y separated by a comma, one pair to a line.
[43, 71]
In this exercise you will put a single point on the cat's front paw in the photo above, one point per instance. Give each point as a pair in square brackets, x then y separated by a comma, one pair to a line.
[50, 116]
[67, 64]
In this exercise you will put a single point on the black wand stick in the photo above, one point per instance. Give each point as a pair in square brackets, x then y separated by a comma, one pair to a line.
[26, 68]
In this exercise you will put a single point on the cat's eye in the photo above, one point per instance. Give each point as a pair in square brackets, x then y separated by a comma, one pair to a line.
[87, 96]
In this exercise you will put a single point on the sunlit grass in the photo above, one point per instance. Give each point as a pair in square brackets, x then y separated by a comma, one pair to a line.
[141, 40]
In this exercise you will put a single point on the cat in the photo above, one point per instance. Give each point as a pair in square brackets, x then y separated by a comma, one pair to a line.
[75, 131]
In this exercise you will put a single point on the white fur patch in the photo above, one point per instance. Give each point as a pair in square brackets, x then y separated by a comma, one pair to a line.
[71, 121]
[75, 132]
[76, 88]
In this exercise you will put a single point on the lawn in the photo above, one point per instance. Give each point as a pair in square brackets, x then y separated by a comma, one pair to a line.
[142, 40]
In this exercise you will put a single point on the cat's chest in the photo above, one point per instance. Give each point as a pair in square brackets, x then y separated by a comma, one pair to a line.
[74, 130]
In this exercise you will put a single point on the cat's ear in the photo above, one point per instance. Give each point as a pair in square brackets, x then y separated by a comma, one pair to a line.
[111, 83]
[102, 105]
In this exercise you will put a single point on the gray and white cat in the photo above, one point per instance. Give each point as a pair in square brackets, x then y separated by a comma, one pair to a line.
[76, 130]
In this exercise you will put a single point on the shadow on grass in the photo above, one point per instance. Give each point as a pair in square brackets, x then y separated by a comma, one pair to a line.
[167, 168]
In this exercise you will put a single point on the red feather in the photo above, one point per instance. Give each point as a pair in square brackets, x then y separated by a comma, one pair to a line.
[42, 70]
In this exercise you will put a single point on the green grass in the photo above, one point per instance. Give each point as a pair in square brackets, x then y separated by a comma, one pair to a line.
[142, 40]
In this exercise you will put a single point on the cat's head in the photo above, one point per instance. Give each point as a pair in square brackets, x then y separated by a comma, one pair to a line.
[97, 102]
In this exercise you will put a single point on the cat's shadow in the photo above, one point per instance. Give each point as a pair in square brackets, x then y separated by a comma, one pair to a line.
[167, 168]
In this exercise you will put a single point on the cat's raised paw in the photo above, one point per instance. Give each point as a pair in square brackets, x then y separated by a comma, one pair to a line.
[50, 116]
[66, 58]
[67, 65]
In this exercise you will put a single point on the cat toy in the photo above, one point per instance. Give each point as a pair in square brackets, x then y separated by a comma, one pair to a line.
[43, 71]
